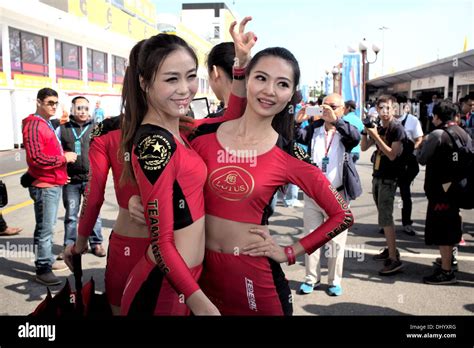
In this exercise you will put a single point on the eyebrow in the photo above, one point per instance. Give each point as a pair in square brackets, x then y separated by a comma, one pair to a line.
[175, 73]
[279, 77]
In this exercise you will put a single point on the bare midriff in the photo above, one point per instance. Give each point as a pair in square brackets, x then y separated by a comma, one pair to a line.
[229, 237]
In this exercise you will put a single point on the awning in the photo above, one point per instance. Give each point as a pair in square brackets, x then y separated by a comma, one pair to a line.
[447, 66]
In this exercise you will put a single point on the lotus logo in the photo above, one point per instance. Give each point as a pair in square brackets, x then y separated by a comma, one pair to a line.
[231, 183]
[231, 179]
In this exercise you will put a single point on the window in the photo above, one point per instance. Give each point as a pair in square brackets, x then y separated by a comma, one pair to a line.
[68, 60]
[28, 52]
[118, 69]
[96, 65]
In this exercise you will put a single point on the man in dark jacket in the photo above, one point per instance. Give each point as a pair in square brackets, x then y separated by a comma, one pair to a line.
[75, 137]
[443, 222]
[330, 141]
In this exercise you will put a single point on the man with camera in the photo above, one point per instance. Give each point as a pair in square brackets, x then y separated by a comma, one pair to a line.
[388, 139]
[330, 141]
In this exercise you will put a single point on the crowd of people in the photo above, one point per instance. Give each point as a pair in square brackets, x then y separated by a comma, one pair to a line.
[195, 226]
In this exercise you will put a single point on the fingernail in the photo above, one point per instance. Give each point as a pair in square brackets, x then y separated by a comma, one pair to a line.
[255, 38]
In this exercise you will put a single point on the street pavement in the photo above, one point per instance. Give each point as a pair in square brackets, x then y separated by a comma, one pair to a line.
[364, 291]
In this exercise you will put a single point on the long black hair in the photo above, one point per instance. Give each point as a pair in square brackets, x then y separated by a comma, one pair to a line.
[283, 122]
[146, 57]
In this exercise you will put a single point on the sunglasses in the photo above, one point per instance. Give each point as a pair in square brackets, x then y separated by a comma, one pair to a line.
[80, 108]
[52, 103]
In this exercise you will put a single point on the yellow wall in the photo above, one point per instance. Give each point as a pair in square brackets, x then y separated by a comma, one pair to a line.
[228, 19]
[201, 46]
[106, 15]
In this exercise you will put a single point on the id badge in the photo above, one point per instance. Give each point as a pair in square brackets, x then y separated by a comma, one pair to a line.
[77, 147]
[378, 157]
[324, 164]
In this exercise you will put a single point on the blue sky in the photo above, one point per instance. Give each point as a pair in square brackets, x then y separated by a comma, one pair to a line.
[319, 32]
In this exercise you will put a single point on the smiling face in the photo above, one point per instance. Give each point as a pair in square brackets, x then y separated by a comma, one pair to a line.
[174, 86]
[270, 86]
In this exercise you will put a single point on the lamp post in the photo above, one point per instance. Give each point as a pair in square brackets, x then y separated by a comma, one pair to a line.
[383, 28]
[365, 67]
[336, 75]
[326, 83]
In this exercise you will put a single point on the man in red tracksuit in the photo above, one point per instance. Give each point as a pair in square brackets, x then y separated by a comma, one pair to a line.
[45, 176]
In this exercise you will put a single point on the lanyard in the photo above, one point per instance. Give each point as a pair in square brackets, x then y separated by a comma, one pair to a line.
[82, 133]
[327, 147]
[50, 125]
[77, 142]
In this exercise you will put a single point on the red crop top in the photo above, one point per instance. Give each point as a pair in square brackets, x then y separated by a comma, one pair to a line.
[103, 155]
[241, 188]
[171, 177]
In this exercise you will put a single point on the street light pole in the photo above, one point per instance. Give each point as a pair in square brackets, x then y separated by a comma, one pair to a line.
[365, 68]
[383, 28]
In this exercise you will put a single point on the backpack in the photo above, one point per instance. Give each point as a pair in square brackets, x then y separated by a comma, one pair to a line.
[461, 190]
[407, 163]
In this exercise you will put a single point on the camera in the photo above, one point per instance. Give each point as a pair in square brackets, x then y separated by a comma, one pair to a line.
[369, 122]
[314, 110]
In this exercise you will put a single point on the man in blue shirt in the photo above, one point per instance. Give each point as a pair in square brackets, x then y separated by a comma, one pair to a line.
[99, 114]
[351, 117]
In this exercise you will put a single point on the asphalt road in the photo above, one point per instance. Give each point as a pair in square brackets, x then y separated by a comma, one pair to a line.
[364, 291]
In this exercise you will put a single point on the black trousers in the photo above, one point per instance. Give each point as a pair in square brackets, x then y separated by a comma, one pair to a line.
[405, 193]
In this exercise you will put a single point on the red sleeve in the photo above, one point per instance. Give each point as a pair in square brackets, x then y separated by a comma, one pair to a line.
[303, 173]
[34, 137]
[234, 110]
[155, 166]
[99, 165]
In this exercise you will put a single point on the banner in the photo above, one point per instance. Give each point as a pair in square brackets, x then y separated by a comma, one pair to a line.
[352, 79]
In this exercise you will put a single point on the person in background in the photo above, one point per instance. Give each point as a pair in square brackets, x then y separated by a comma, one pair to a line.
[429, 113]
[351, 117]
[414, 132]
[75, 137]
[99, 114]
[330, 140]
[443, 221]
[388, 139]
[220, 61]
[47, 173]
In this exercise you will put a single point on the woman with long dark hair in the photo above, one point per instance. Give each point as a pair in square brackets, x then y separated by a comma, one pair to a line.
[248, 159]
[158, 90]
